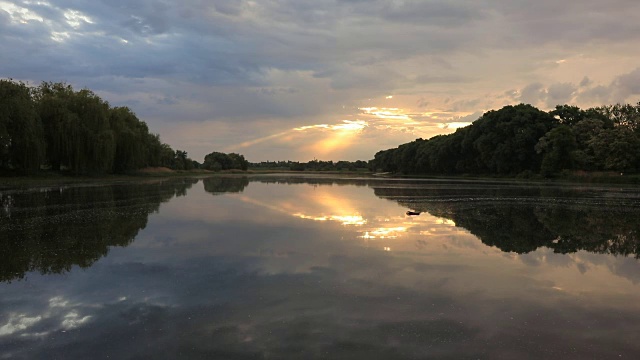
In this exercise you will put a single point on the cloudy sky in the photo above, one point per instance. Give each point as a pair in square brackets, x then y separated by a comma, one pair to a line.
[325, 79]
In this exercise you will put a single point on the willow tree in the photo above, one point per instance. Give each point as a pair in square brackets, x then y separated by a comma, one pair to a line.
[76, 124]
[131, 140]
[21, 138]
[96, 141]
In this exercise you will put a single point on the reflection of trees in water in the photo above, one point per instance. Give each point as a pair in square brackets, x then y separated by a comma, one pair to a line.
[220, 185]
[523, 219]
[50, 230]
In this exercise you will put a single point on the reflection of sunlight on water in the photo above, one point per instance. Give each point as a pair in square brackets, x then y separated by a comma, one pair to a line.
[384, 233]
[443, 221]
[345, 220]
[326, 204]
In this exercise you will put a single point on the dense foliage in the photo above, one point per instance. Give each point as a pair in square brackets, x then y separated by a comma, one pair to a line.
[217, 161]
[54, 126]
[523, 140]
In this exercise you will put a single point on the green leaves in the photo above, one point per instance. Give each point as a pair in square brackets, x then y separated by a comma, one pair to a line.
[21, 137]
[217, 161]
[522, 139]
[54, 125]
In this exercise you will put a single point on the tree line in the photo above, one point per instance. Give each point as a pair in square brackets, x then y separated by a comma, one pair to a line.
[54, 126]
[523, 140]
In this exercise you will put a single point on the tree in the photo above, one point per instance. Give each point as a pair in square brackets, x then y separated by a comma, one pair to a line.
[623, 115]
[568, 115]
[78, 132]
[238, 161]
[21, 136]
[132, 149]
[616, 149]
[217, 161]
[557, 147]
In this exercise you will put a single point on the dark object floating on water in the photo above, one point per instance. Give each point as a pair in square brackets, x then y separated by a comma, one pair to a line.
[413, 212]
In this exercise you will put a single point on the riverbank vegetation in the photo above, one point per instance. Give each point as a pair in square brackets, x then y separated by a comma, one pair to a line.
[524, 141]
[55, 127]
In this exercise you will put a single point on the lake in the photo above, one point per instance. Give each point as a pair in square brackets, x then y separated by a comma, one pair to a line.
[277, 267]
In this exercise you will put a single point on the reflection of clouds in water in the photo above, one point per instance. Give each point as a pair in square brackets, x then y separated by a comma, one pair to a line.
[582, 272]
[17, 323]
[360, 306]
[59, 315]
[280, 285]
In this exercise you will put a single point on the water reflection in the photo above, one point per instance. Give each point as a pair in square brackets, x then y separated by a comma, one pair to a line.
[523, 219]
[322, 268]
[221, 185]
[50, 230]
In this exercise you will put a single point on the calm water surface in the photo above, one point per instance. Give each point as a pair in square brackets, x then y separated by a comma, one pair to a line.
[275, 267]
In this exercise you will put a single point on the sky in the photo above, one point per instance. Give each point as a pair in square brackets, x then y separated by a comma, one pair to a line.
[323, 79]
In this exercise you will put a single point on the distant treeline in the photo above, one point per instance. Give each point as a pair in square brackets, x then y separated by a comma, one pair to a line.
[53, 126]
[313, 165]
[523, 140]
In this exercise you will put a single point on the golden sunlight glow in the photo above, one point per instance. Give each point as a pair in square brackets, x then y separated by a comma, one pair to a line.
[326, 205]
[338, 140]
[327, 140]
[385, 233]
[422, 124]
[443, 221]
[453, 125]
[345, 220]
[263, 139]
[340, 209]
[347, 125]
[334, 136]
[340, 137]
[386, 113]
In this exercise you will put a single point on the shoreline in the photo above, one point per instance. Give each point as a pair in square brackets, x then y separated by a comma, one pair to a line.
[53, 179]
